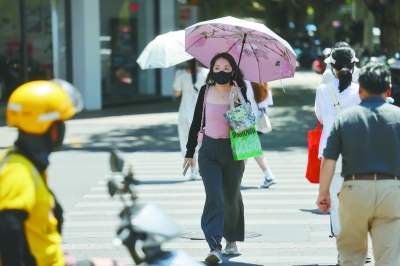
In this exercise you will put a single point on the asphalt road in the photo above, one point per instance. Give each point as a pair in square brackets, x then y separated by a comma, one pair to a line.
[283, 224]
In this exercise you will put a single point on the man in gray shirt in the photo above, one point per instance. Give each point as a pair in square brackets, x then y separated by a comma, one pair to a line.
[368, 137]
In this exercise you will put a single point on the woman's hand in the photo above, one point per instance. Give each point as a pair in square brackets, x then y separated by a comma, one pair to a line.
[190, 160]
[235, 93]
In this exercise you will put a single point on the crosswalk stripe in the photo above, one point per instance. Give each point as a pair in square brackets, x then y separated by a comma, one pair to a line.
[197, 222]
[267, 260]
[199, 245]
[179, 187]
[245, 193]
[71, 234]
[197, 203]
[175, 182]
[188, 211]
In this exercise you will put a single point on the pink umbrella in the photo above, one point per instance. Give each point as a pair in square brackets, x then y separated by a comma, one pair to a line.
[262, 55]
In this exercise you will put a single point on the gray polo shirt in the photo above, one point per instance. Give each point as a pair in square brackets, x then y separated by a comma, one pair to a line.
[368, 137]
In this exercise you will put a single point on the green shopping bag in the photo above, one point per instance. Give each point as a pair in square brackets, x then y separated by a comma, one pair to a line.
[245, 144]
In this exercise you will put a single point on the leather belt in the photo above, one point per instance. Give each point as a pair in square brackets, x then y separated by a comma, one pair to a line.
[373, 177]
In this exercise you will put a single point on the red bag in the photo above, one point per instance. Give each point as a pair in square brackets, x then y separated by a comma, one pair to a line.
[314, 163]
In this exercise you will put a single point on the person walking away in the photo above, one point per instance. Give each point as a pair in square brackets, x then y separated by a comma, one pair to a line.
[30, 216]
[329, 74]
[260, 97]
[332, 98]
[186, 84]
[223, 213]
[368, 137]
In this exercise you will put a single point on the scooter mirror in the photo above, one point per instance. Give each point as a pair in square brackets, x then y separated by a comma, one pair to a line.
[112, 187]
[116, 161]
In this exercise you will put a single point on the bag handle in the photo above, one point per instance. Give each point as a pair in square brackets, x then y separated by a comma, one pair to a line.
[333, 95]
[204, 107]
[232, 98]
[318, 126]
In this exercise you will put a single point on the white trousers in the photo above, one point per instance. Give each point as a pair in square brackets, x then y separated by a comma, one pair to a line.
[334, 189]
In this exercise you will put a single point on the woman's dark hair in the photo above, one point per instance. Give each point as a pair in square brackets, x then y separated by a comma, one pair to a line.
[193, 71]
[260, 91]
[341, 44]
[240, 82]
[343, 64]
[374, 78]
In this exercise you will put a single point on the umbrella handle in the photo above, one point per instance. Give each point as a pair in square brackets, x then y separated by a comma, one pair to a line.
[240, 56]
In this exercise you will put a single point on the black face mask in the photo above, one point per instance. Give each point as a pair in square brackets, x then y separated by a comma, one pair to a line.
[222, 77]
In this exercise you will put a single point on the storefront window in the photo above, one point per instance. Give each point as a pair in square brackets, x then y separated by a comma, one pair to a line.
[40, 15]
[121, 23]
[10, 52]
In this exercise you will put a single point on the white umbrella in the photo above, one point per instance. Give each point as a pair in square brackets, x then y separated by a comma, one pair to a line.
[164, 51]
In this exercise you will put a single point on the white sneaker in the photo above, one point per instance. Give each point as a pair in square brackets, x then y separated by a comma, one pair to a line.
[231, 248]
[267, 183]
[214, 257]
[194, 175]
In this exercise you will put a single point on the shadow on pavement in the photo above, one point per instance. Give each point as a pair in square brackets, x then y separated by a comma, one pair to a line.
[313, 211]
[290, 121]
[292, 115]
[314, 264]
[162, 182]
[248, 188]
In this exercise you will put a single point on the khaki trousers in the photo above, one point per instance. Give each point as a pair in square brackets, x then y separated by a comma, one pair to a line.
[374, 207]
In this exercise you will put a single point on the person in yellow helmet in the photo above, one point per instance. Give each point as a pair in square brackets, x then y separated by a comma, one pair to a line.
[30, 217]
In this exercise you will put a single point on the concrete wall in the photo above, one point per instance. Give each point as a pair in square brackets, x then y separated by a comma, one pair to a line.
[86, 51]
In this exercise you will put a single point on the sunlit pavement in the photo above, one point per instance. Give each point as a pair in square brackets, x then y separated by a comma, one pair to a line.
[283, 224]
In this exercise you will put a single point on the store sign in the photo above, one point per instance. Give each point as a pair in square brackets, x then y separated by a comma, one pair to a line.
[187, 16]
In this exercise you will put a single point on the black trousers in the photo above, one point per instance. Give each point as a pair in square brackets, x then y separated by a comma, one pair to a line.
[223, 214]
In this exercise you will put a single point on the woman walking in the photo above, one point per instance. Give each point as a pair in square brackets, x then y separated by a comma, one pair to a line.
[260, 97]
[329, 76]
[223, 213]
[332, 98]
[186, 84]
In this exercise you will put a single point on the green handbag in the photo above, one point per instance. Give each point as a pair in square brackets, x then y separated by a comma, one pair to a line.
[245, 144]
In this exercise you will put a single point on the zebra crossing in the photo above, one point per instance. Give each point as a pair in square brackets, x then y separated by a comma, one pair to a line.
[292, 231]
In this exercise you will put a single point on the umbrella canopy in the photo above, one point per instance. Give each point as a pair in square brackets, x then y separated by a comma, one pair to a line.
[262, 54]
[164, 51]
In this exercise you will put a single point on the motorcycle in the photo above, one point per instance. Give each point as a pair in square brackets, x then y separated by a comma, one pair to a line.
[144, 227]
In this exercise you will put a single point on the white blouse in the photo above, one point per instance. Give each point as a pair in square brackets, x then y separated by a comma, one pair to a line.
[183, 82]
[325, 110]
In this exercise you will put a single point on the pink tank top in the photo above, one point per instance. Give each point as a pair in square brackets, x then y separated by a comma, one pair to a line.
[216, 125]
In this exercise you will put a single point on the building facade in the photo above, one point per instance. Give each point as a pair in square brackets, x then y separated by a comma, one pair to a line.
[92, 43]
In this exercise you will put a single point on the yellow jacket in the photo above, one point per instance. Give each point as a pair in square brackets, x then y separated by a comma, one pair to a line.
[23, 188]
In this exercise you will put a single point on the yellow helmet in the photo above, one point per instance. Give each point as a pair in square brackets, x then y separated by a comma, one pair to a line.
[35, 105]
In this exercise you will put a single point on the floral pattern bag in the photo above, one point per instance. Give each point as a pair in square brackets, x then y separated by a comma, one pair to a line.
[241, 117]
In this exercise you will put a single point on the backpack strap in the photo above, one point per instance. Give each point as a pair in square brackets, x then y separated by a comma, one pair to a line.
[334, 98]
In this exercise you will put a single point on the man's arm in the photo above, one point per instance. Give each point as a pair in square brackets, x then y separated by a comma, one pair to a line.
[326, 174]
[331, 154]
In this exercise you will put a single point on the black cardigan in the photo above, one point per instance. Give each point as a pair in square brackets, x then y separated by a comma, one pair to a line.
[195, 127]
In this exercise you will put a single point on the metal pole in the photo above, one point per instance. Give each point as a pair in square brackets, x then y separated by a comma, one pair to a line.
[240, 57]
[24, 42]
[68, 39]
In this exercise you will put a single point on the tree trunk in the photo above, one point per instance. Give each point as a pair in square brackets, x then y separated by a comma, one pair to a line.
[387, 14]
